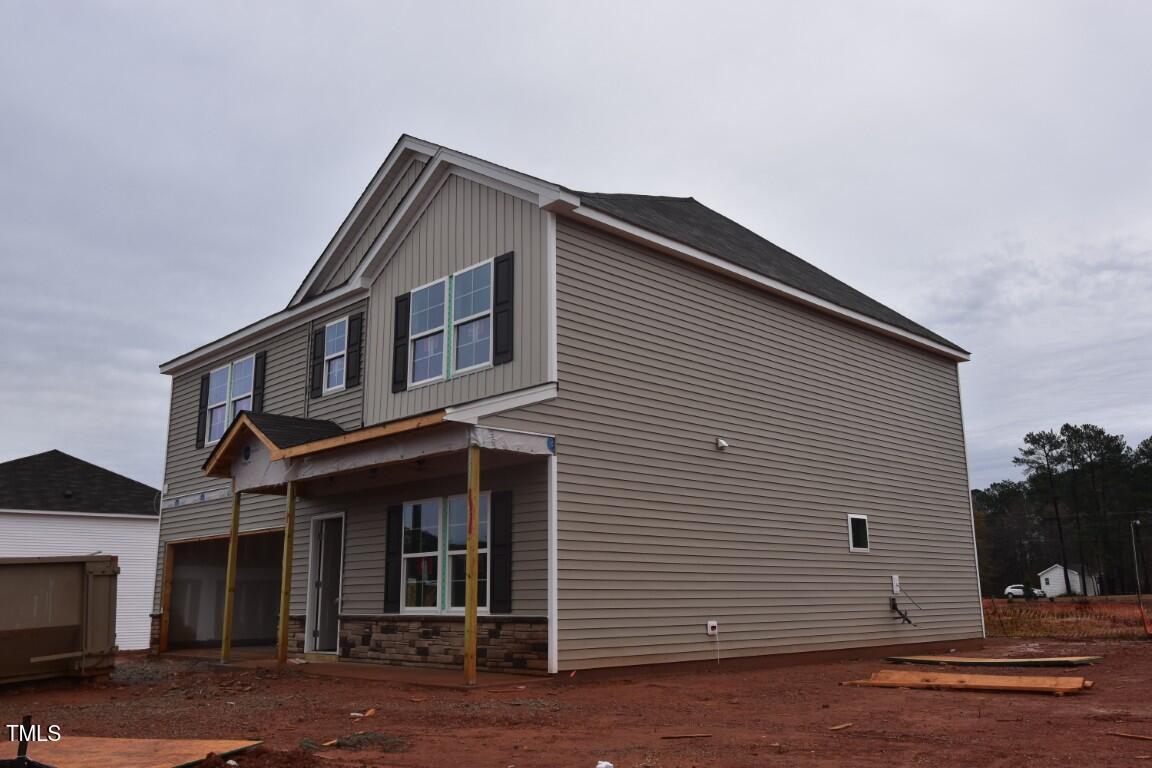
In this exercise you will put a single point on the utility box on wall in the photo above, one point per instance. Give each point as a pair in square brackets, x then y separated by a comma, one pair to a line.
[59, 617]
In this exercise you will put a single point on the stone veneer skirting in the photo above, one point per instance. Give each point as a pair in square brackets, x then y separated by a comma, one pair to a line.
[504, 643]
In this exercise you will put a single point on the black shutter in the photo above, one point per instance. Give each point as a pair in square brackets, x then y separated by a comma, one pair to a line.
[202, 415]
[503, 291]
[500, 550]
[400, 344]
[355, 348]
[316, 372]
[258, 382]
[392, 553]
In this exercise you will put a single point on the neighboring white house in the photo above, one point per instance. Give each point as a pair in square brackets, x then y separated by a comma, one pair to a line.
[1052, 582]
[56, 504]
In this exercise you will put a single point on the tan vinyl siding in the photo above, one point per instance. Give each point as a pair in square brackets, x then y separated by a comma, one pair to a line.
[285, 381]
[365, 525]
[363, 242]
[365, 539]
[660, 532]
[346, 408]
[465, 223]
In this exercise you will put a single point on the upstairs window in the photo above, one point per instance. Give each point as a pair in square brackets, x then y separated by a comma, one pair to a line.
[335, 355]
[229, 392]
[472, 318]
[427, 332]
[858, 533]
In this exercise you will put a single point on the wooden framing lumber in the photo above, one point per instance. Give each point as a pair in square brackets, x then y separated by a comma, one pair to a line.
[890, 678]
[975, 661]
[230, 578]
[286, 575]
[472, 569]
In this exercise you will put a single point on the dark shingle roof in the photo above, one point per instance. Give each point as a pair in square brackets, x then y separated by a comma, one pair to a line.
[290, 431]
[689, 222]
[56, 482]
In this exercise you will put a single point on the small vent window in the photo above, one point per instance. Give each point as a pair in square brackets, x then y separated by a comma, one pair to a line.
[858, 540]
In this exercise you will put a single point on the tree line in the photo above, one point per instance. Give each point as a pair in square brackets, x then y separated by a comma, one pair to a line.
[1082, 490]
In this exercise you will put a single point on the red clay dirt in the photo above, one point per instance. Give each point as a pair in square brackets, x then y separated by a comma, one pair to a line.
[778, 716]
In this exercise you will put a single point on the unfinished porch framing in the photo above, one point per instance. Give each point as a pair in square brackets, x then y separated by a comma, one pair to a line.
[275, 455]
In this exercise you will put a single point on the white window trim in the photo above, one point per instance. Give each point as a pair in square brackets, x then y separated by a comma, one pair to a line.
[446, 591]
[325, 389]
[229, 400]
[443, 562]
[868, 530]
[405, 556]
[458, 321]
[414, 337]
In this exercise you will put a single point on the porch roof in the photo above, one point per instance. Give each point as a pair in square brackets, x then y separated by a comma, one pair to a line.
[264, 452]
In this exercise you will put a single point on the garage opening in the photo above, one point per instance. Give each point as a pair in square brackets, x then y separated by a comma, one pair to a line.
[196, 602]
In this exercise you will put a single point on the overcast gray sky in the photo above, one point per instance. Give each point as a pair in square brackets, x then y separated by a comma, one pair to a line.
[168, 173]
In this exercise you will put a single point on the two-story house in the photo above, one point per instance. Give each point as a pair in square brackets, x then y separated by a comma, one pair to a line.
[691, 444]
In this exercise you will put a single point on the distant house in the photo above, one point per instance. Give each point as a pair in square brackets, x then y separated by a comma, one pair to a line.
[1052, 582]
[55, 504]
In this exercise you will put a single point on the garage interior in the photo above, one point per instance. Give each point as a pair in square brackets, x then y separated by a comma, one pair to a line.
[197, 585]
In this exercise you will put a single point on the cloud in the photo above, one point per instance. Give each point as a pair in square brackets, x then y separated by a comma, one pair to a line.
[170, 172]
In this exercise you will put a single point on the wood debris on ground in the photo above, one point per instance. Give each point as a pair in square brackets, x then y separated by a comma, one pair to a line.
[687, 736]
[1130, 735]
[890, 678]
[841, 727]
[976, 661]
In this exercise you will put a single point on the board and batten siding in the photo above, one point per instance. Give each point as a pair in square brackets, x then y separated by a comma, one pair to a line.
[368, 235]
[345, 407]
[464, 224]
[131, 539]
[660, 532]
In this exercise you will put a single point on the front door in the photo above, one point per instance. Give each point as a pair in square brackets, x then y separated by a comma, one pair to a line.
[327, 559]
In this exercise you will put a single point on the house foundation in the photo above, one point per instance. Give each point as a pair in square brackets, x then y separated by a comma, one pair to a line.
[504, 643]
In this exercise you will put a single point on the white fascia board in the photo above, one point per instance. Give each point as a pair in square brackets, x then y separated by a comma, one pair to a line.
[471, 413]
[115, 515]
[405, 147]
[350, 293]
[668, 245]
[442, 164]
[553, 555]
[551, 322]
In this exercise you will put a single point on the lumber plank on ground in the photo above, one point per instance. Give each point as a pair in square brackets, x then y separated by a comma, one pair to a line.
[976, 661]
[97, 752]
[891, 678]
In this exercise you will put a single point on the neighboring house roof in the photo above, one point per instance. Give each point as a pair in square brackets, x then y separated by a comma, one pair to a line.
[56, 482]
[290, 431]
[1057, 567]
[688, 221]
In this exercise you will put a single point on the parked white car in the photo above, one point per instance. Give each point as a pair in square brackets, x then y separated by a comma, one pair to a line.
[1017, 590]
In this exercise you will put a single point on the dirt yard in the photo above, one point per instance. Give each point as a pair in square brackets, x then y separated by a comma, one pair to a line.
[1067, 618]
[767, 717]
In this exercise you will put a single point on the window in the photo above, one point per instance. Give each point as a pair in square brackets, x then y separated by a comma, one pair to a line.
[858, 533]
[421, 554]
[1047, 582]
[472, 318]
[424, 548]
[427, 333]
[335, 355]
[457, 551]
[229, 392]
